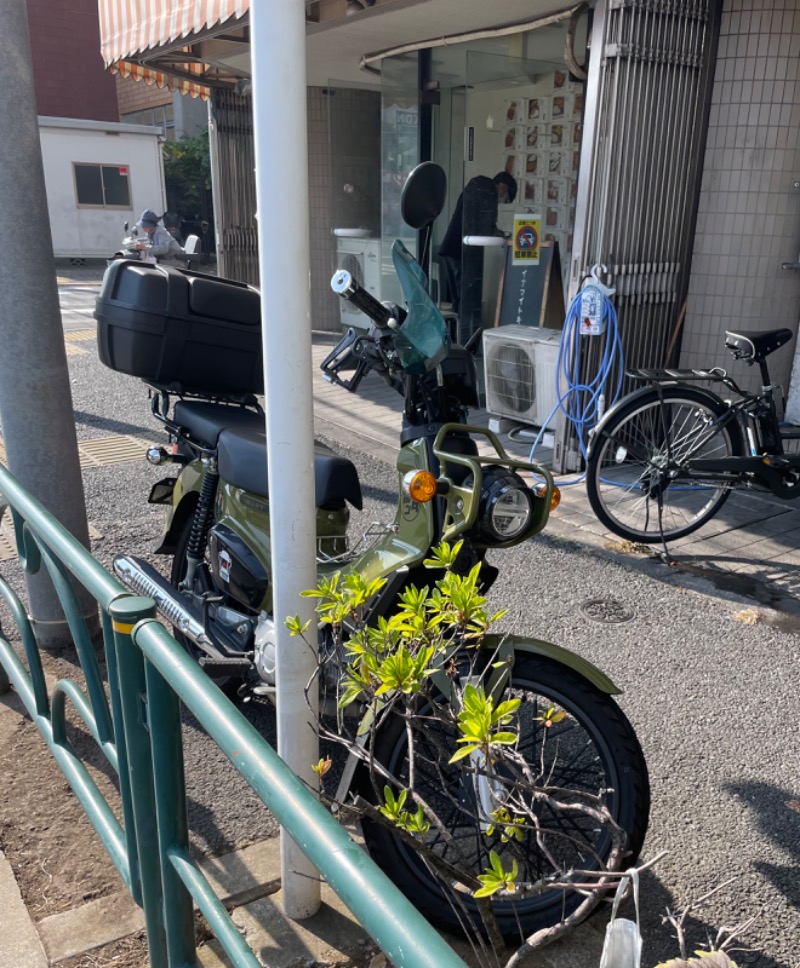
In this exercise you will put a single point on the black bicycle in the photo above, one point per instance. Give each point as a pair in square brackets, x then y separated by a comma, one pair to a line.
[665, 458]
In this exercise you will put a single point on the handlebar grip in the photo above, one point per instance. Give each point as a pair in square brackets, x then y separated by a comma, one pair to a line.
[345, 286]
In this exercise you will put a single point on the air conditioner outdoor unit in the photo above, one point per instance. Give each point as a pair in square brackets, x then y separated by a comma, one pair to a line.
[362, 259]
[520, 366]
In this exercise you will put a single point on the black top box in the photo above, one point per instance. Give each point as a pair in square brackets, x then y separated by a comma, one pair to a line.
[183, 330]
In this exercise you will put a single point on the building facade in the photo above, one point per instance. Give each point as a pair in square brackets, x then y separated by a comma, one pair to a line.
[679, 172]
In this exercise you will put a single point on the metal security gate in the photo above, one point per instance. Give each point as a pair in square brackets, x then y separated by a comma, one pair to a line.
[647, 98]
[232, 167]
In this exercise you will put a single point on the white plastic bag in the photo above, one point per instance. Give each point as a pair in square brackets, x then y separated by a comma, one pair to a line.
[622, 947]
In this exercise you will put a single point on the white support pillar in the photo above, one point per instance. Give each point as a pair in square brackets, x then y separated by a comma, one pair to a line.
[277, 42]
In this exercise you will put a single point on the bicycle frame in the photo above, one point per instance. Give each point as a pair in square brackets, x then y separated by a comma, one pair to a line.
[757, 417]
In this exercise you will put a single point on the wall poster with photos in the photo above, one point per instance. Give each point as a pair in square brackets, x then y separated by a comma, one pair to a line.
[542, 139]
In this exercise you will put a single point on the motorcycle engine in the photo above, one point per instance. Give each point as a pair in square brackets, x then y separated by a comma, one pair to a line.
[236, 569]
[265, 649]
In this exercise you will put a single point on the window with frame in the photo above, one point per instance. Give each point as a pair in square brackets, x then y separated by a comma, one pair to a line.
[102, 186]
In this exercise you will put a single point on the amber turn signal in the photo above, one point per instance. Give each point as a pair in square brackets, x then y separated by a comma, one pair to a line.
[420, 486]
[555, 497]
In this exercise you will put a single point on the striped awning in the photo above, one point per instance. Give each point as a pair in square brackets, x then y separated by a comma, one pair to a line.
[132, 30]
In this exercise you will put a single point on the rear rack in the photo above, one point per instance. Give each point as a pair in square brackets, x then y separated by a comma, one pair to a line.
[370, 537]
[716, 373]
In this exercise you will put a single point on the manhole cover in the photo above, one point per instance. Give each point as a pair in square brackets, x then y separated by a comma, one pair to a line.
[606, 610]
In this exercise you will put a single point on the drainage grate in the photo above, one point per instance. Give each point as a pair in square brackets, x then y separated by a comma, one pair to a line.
[80, 335]
[105, 450]
[8, 540]
[606, 610]
[111, 450]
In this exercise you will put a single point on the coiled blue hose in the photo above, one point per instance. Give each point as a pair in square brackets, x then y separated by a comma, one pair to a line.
[584, 404]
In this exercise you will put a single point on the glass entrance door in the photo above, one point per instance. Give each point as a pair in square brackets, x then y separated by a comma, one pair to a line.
[518, 133]
[502, 118]
[399, 156]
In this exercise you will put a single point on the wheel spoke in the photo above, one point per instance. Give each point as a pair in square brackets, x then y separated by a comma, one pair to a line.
[569, 756]
[638, 482]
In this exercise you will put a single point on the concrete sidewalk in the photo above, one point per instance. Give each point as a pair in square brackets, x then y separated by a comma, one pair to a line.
[246, 882]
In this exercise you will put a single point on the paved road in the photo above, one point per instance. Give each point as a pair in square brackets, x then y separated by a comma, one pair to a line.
[713, 698]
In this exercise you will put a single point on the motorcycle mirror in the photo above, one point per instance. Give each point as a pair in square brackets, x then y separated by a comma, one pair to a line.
[126, 225]
[423, 195]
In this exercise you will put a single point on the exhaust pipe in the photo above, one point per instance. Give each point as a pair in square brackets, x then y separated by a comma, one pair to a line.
[143, 579]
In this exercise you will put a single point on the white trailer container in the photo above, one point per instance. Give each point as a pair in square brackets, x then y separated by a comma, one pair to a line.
[98, 174]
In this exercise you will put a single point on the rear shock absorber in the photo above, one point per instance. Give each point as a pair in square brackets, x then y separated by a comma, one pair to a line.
[201, 523]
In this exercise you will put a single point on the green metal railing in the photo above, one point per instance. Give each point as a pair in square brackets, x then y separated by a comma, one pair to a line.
[135, 720]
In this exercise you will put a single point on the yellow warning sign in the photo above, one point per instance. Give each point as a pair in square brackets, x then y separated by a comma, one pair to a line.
[527, 234]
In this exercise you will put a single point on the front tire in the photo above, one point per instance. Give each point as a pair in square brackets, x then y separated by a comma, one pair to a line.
[635, 478]
[592, 748]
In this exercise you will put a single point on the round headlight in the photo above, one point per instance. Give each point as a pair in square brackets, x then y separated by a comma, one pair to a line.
[506, 506]
[510, 513]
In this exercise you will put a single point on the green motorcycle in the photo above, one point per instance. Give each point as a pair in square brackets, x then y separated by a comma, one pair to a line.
[219, 595]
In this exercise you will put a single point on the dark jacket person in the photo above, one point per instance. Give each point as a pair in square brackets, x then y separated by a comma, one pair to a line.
[475, 214]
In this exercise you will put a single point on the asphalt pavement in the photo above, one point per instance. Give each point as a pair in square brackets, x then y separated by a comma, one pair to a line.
[705, 650]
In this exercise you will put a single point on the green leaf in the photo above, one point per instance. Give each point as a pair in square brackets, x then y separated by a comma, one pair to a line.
[488, 889]
[505, 710]
[504, 739]
[295, 627]
[464, 751]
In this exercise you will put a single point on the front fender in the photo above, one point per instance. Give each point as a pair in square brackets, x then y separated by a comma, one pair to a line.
[504, 647]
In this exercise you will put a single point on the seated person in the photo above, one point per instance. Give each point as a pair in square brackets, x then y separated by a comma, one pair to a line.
[160, 245]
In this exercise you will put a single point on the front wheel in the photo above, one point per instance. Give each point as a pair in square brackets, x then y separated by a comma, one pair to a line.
[636, 475]
[590, 749]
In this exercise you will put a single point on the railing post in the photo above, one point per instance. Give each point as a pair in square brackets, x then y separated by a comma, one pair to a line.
[124, 613]
[166, 743]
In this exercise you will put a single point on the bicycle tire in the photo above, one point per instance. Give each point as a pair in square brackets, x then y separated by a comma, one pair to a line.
[631, 489]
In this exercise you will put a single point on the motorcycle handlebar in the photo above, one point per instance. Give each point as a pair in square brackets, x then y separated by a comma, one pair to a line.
[345, 286]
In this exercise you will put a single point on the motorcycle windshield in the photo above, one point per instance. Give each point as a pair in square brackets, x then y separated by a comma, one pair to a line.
[422, 341]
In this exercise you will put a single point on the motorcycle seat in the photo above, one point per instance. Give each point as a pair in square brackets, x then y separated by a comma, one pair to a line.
[205, 420]
[242, 462]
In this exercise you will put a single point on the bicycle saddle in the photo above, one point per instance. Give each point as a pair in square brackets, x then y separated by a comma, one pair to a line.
[752, 346]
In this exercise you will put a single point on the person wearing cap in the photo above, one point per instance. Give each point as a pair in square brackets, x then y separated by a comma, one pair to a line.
[475, 214]
[160, 245]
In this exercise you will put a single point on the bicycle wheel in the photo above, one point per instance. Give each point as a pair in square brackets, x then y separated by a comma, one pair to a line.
[634, 475]
[591, 748]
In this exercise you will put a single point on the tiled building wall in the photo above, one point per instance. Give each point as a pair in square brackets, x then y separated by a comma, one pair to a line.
[343, 149]
[70, 78]
[324, 311]
[135, 95]
[749, 212]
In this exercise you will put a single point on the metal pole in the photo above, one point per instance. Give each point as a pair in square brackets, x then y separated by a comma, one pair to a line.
[35, 398]
[277, 42]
